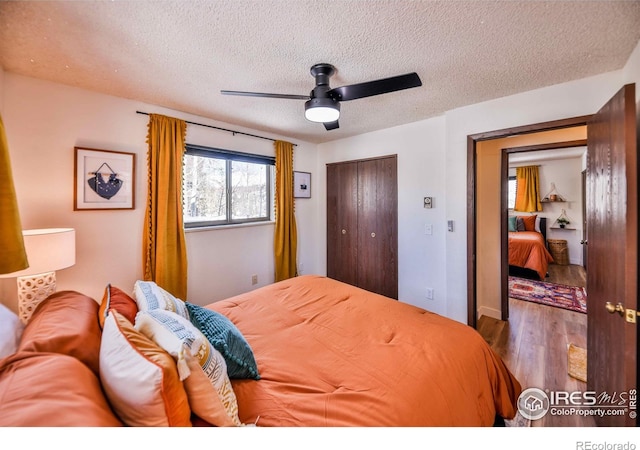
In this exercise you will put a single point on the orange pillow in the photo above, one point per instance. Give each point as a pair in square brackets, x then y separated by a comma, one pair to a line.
[119, 300]
[65, 322]
[529, 222]
[51, 390]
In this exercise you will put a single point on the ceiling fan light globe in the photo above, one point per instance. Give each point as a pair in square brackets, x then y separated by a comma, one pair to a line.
[321, 110]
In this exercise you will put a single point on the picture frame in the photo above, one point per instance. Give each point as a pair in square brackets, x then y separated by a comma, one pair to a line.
[103, 179]
[301, 184]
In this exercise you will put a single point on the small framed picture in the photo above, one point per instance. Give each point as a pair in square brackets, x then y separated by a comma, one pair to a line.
[103, 179]
[301, 184]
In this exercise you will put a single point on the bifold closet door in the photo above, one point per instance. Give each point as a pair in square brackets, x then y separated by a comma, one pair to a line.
[362, 224]
[378, 226]
[342, 222]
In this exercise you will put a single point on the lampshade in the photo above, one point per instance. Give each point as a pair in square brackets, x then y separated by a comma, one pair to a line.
[322, 110]
[48, 250]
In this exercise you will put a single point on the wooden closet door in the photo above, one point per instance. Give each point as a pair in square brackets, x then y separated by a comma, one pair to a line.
[378, 226]
[342, 222]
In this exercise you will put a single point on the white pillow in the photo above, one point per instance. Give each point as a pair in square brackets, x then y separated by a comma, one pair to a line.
[537, 226]
[11, 329]
[149, 295]
[140, 379]
[200, 365]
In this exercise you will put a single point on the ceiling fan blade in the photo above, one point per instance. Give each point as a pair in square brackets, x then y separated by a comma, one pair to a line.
[264, 94]
[376, 87]
[331, 125]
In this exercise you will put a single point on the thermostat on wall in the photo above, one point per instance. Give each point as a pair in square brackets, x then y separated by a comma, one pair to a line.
[428, 202]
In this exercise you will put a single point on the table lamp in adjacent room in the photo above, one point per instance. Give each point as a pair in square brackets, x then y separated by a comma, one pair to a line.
[47, 250]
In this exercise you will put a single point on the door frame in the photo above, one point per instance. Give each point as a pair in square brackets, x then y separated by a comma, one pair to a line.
[472, 141]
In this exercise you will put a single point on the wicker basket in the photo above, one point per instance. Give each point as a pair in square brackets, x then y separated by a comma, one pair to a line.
[559, 251]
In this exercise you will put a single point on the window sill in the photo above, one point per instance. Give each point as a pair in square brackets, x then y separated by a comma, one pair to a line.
[226, 227]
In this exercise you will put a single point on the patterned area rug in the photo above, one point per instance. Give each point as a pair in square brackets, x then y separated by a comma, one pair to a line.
[551, 294]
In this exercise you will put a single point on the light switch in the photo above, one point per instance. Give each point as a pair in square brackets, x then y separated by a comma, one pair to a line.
[450, 225]
[428, 229]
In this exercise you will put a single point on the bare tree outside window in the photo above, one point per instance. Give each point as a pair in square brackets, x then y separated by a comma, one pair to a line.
[219, 189]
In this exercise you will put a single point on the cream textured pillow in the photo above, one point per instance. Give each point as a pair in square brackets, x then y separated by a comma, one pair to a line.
[149, 295]
[140, 378]
[200, 365]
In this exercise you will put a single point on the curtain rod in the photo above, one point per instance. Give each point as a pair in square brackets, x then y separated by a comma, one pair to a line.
[234, 132]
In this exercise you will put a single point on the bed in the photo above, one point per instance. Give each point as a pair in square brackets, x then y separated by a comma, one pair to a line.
[327, 354]
[528, 253]
[331, 354]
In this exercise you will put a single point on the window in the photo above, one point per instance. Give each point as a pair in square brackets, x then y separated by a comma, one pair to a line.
[511, 199]
[223, 187]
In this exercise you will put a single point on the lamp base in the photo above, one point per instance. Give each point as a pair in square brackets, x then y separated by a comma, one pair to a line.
[32, 290]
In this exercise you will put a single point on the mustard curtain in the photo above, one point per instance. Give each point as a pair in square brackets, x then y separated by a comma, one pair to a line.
[527, 189]
[286, 235]
[14, 257]
[164, 244]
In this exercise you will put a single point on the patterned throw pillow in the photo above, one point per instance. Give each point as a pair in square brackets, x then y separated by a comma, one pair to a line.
[140, 379]
[200, 365]
[150, 296]
[227, 339]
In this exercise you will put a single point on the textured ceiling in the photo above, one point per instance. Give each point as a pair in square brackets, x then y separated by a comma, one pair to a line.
[180, 54]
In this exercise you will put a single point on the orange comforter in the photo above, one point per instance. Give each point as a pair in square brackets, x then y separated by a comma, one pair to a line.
[527, 249]
[330, 354]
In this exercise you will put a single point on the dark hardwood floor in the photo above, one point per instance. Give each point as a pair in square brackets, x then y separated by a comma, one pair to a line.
[534, 341]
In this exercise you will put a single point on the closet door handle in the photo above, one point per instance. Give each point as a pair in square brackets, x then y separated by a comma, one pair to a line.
[373, 235]
[344, 231]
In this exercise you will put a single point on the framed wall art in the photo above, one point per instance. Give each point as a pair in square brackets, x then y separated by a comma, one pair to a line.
[103, 179]
[301, 184]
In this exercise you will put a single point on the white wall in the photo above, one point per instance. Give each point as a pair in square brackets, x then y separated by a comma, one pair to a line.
[420, 149]
[44, 121]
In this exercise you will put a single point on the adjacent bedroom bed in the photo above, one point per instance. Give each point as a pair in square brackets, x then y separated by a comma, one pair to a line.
[528, 253]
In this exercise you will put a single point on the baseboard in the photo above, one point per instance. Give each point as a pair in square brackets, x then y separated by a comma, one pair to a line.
[489, 312]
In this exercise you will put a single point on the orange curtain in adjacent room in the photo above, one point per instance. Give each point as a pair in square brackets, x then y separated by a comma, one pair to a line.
[14, 257]
[527, 189]
[286, 235]
[164, 244]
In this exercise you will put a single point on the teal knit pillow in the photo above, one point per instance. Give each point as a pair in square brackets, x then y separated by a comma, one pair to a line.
[227, 339]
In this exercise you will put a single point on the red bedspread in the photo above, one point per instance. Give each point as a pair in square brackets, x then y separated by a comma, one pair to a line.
[330, 354]
[527, 249]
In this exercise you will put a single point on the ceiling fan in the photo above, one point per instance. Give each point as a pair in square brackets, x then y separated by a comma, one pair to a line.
[323, 103]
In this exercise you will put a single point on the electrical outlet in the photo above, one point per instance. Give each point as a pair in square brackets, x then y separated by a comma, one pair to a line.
[429, 293]
[254, 279]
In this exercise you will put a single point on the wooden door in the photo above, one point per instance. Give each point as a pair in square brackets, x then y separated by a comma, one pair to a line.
[585, 240]
[378, 226]
[342, 222]
[612, 223]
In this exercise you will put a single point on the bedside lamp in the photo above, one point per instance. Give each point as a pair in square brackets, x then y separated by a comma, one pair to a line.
[47, 250]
